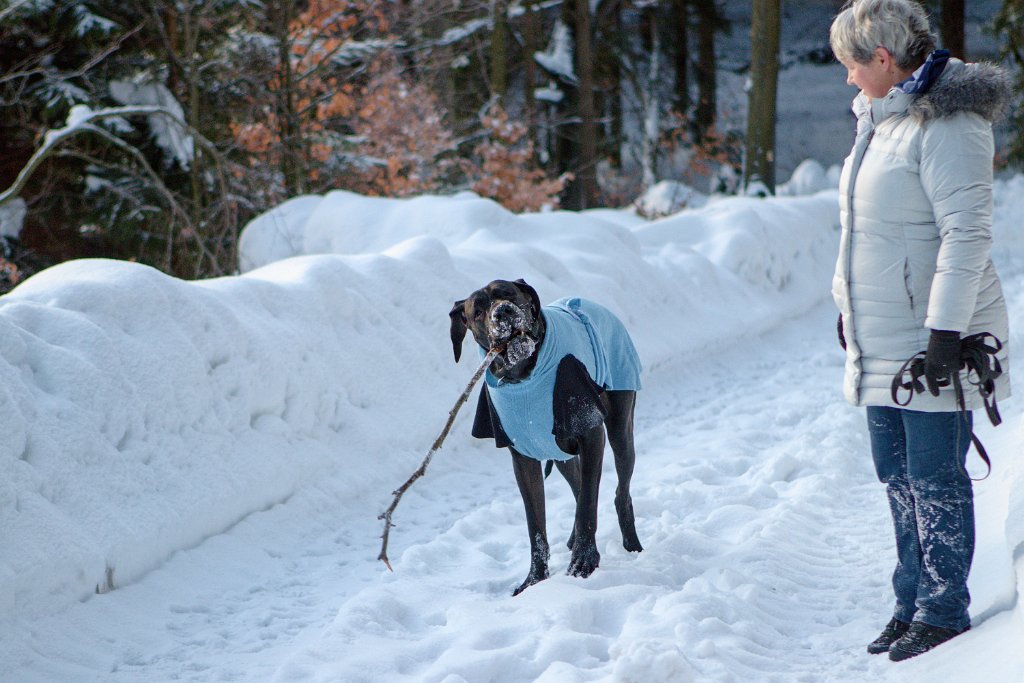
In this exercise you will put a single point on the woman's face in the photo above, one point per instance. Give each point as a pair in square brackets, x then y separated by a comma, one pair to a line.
[876, 77]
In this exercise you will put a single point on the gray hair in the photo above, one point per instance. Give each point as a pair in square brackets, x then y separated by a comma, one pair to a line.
[900, 26]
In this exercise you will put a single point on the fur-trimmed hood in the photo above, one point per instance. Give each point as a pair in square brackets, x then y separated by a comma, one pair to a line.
[980, 88]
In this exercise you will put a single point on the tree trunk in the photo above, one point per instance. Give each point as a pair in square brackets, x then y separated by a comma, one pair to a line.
[613, 69]
[586, 166]
[951, 29]
[170, 30]
[681, 33]
[531, 44]
[499, 48]
[707, 67]
[193, 75]
[759, 160]
[281, 16]
[652, 106]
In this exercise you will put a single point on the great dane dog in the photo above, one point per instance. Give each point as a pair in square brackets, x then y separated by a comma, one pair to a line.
[566, 375]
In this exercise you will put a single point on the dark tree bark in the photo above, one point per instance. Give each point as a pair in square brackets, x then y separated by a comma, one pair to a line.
[607, 49]
[707, 66]
[681, 35]
[531, 43]
[281, 15]
[499, 48]
[951, 27]
[759, 161]
[587, 193]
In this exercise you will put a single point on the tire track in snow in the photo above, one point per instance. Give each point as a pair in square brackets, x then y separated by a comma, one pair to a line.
[795, 549]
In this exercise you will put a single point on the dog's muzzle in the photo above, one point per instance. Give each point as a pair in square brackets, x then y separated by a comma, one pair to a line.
[509, 325]
[506, 320]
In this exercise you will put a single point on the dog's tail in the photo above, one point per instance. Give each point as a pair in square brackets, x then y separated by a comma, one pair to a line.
[548, 466]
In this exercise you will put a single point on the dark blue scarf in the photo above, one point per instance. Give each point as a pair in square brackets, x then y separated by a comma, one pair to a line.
[926, 74]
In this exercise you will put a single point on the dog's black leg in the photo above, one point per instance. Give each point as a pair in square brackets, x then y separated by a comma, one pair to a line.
[570, 469]
[530, 479]
[620, 436]
[585, 558]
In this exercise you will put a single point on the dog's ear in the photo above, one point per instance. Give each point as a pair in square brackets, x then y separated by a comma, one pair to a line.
[458, 317]
[521, 283]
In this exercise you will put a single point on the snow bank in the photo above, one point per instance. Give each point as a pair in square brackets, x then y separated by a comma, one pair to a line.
[144, 414]
[809, 177]
[732, 267]
[1008, 254]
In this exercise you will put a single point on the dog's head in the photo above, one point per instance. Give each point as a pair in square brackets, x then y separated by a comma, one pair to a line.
[506, 316]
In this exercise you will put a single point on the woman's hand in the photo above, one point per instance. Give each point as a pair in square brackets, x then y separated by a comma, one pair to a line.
[942, 359]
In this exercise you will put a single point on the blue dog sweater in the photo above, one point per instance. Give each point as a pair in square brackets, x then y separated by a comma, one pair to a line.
[575, 327]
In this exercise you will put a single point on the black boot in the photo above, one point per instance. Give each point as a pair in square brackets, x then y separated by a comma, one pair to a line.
[890, 634]
[920, 638]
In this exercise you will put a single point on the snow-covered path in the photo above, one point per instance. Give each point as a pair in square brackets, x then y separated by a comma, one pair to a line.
[767, 553]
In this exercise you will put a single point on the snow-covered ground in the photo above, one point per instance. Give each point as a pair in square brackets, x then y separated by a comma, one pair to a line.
[193, 470]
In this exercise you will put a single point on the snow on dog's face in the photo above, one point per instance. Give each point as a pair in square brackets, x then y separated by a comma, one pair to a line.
[503, 315]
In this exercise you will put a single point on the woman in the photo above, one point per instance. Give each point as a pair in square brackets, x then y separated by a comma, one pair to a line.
[914, 273]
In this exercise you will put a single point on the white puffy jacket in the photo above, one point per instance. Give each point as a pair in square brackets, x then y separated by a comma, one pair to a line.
[915, 201]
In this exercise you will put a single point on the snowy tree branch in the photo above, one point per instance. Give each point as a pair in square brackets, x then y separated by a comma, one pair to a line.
[77, 73]
[75, 127]
[168, 196]
[85, 124]
[82, 120]
[13, 7]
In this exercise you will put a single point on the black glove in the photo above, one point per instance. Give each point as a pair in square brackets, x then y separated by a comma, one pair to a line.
[942, 359]
[839, 329]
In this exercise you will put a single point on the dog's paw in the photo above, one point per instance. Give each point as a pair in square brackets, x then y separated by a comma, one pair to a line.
[627, 523]
[585, 560]
[533, 577]
[632, 544]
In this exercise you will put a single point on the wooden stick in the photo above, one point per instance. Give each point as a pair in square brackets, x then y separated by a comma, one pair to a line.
[400, 491]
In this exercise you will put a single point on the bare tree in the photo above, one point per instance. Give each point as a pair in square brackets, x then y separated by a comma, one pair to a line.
[759, 159]
[709, 23]
[951, 27]
[531, 43]
[587, 192]
[499, 47]
[681, 40]
[650, 93]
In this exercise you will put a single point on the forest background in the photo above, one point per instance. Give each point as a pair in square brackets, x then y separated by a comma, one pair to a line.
[153, 130]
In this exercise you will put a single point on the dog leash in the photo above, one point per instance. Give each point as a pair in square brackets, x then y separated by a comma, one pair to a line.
[979, 358]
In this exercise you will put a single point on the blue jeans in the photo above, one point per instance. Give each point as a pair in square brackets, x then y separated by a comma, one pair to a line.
[920, 458]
